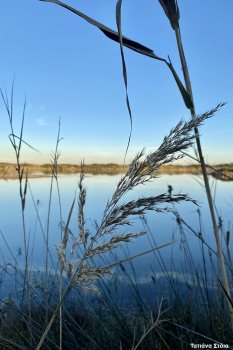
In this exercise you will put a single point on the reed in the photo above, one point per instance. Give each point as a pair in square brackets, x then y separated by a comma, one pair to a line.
[82, 271]
[17, 142]
[172, 12]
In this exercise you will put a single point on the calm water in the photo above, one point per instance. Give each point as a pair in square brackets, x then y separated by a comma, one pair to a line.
[99, 188]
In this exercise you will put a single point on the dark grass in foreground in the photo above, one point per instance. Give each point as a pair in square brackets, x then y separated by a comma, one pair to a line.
[100, 322]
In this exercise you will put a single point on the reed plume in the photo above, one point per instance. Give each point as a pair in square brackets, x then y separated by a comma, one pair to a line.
[78, 263]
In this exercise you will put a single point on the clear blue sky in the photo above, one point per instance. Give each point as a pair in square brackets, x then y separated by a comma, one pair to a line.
[68, 69]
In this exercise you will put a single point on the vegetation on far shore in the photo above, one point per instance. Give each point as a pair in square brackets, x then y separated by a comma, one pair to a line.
[8, 170]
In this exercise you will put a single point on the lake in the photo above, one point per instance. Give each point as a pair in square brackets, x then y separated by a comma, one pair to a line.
[163, 227]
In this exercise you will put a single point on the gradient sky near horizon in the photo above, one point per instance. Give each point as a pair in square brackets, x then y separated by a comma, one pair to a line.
[68, 69]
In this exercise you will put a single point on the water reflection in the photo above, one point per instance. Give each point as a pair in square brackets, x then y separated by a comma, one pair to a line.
[163, 227]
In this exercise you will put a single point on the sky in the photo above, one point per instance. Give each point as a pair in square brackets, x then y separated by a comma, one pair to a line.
[68, 70]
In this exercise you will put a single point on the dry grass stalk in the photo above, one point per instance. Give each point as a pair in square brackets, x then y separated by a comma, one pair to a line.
[17, 142]
[172, 11]
[152, 325]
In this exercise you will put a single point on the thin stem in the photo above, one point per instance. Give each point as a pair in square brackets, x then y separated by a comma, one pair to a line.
[204, 173]
[56, 311]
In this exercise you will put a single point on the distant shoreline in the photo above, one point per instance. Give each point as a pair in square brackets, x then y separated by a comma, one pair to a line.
[8, 170]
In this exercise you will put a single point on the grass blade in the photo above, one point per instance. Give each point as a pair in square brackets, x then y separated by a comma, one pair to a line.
[119, 262]
[118, 21]
[186, 96]
[66, 231]
[131, 44]
[111, 34]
